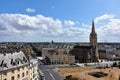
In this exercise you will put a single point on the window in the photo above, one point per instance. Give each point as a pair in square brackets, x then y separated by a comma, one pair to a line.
[12, 78]
[23, 75]
[18, 69]
[23, 68]
[18, 76]
[26, 72]
[27, 66]
[12, 71]
[4, 73]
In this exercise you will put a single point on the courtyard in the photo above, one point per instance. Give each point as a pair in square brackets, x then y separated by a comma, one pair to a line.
[84, 73]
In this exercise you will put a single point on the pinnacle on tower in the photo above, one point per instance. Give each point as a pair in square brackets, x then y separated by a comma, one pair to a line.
[93, 28]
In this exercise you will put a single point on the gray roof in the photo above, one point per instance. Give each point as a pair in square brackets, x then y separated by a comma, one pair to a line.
[33, 62]
[12, 60]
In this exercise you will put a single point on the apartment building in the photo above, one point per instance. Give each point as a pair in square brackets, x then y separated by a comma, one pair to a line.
[33, 70]
[15, 66]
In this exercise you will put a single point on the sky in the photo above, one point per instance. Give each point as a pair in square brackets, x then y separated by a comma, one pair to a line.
[59, 20]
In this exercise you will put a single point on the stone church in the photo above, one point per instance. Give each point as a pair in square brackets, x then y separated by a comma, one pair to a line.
[65, 53]
[87, 53]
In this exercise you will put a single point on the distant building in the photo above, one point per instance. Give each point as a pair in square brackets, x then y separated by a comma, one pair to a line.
[58, 56]
[87, 53]
[109, 52]
[2, 46]
[102, 54]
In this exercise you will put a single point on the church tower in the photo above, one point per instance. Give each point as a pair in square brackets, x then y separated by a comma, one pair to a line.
[93, 44]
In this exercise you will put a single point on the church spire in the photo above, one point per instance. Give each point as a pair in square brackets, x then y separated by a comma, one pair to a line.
[93, 43]
[93, 35]
[93, 27]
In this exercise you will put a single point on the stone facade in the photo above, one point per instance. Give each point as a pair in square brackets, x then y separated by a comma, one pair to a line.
[82, 53]
[58, 56]
[15, 66]
[87, 53]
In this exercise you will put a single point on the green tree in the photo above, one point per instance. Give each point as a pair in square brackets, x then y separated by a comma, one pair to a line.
[69, 77]
[36, 50]
[119, 65]
[114, 64]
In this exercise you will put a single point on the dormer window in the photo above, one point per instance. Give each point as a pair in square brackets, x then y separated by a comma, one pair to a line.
[14, 63]
[24, 59]
[17, 62]
[11, 61]
[4, 54]
[5, 65]
[2, 63]
[21, 61]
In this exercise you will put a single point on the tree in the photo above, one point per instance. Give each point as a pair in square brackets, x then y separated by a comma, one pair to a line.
[114, 64]
[47, 60]
[119, 65]
[36, 50]
[69, 77]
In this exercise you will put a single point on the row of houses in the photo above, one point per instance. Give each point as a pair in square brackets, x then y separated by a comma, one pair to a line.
[109, 52]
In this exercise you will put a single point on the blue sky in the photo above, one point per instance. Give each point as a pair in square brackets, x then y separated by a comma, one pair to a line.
[59, 20]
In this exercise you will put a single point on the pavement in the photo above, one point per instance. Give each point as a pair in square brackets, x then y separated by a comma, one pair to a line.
[49, 73]
[97, 64]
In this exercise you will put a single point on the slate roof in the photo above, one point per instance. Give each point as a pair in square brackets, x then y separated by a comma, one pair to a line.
[82, 47]
[12, 60]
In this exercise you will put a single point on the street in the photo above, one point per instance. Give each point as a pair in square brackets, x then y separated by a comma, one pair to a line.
[49, 73]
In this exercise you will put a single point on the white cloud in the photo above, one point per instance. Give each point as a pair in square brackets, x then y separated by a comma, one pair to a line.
[30, 10]
[37, 28]
[20, 22]
[69, 23]
[103, 17]
[110, 31]
[22, 27]
[85, 25]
